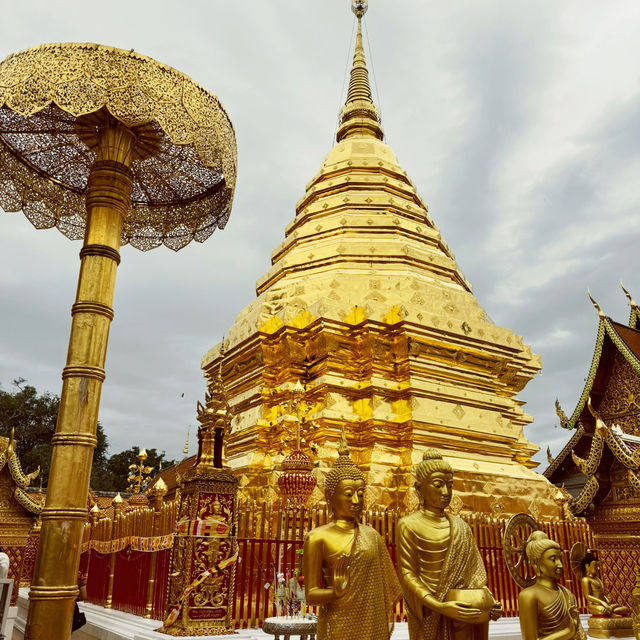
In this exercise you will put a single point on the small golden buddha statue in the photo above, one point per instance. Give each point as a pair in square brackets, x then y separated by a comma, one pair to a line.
[597, 601]
[346, 566]
[608, 619]
[548, 611]
[441, 571]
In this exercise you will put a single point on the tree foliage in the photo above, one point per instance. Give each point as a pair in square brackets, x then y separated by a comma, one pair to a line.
[33, 417]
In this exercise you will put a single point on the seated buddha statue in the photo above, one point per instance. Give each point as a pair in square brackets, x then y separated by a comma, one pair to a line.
[347, 570]
[441, 572]
[548, 611]
[597, 601]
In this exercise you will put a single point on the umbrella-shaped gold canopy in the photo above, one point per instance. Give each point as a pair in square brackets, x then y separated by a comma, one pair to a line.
[112, 147]
[55, 98]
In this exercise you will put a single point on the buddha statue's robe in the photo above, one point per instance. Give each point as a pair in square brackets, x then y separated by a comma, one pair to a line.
[431, 567]
[556, 615]
[366, 610]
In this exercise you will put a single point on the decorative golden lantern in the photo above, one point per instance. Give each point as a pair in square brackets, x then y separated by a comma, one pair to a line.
[297, 482]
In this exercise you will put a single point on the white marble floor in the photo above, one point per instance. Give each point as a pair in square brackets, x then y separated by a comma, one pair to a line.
[107, 624]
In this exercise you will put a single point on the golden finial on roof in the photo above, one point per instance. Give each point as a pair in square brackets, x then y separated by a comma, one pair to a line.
[595, 304]
[359, 88]
[96, 508]
[631, 300]
[564, 421]
[118, 499]
[359, 116]
[359, 7]
[185, 449]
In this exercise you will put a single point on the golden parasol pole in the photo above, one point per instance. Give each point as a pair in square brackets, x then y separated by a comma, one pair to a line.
[54, 585]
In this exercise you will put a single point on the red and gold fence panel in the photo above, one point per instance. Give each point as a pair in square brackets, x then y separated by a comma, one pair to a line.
[269, 538]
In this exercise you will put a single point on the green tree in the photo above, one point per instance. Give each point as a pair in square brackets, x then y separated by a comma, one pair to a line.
[33, 417]
[117, 467]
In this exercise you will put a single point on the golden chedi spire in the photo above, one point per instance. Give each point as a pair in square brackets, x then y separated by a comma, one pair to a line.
[365, 303]
[359, 116]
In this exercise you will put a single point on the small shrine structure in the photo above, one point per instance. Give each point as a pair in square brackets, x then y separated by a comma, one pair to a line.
[205, 551]
[599, 467]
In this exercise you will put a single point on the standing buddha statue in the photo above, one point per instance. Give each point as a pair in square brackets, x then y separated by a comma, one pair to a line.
[548, 611]
[347, 570]
[441, 571]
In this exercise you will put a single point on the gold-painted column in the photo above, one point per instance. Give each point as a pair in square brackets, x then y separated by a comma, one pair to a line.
[157, 495]
[54, 585]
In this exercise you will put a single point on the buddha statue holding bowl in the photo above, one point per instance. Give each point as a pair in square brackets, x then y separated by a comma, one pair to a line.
[441, 571]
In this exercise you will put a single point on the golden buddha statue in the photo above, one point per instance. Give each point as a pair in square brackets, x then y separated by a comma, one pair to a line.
[607, 618]
[593, 590]
[347, 569]
[548, 611]
[441, 572]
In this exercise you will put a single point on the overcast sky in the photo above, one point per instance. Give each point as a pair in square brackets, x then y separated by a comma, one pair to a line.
[518, 122]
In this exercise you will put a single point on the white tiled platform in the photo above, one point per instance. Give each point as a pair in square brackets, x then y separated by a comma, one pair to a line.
[107, 624]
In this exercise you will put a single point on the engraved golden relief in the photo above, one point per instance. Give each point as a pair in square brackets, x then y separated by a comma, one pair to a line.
[621, 402]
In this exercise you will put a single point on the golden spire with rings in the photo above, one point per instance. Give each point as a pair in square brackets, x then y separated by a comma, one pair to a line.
[359, 117]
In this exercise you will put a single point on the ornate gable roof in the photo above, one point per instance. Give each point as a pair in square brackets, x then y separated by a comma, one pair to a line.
[612, 337]
[607, 417]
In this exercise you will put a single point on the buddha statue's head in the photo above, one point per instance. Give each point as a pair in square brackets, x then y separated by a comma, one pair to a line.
[544, 555]
[344, 486]
[434, 480]
[589, 565]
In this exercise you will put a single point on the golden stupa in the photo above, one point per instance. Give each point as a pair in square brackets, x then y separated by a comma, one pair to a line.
[365, 304]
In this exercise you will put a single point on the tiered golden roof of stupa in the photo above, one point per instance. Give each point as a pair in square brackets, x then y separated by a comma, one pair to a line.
[365, 304]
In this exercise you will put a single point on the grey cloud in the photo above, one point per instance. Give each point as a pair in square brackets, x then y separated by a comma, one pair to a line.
[460, 86]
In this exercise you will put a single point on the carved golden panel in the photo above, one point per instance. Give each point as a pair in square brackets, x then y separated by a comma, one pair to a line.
[619, 560]
[621, 402]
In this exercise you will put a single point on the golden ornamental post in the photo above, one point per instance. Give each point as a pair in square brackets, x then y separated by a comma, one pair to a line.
[118, 504]
[139, 473]
[157, 494]
[94, 518]
[113, 147]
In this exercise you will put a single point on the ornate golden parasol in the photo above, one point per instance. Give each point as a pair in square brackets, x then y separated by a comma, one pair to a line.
[113, 147]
